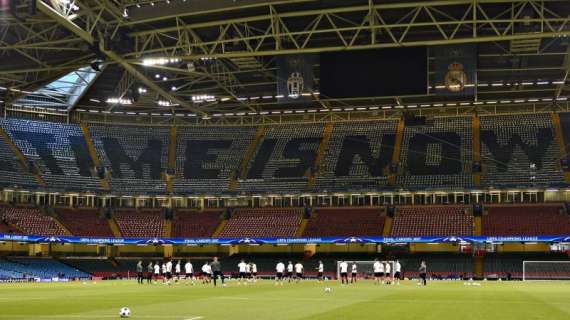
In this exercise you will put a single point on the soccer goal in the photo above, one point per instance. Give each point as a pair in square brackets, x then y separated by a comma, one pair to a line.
[364, 268]
[546, 270]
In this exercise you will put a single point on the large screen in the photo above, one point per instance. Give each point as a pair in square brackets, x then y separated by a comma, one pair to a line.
[373, 73]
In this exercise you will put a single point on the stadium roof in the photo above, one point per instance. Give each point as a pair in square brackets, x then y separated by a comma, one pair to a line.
[211, 56]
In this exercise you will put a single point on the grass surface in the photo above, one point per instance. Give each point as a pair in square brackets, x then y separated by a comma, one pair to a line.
[439, 300]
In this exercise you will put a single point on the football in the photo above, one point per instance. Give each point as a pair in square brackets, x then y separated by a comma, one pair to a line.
[125, 312]
[328, 290]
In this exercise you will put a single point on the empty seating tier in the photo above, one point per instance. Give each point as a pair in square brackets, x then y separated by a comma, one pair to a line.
[191, 223]
[345, 222]
[136, 156]
[58, 150]
[207, 157]
[357, 156]
[412, 221]
[271, 222]
[438, 154]
[529, 220]
[519, 150]
[31, 221]
[84, 222]
[140, 224]
[45, 268]
[284, 159]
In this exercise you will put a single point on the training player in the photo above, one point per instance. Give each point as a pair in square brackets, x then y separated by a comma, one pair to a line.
[290, 271]
[279, 270]
[254, 272]
[149, 270]
[388, 273]
[163, 272]
[321, 270]
[354, 273]
[168, 271]
[177, 271]
[343, 266]
[242, 269]
[216, 269]
[299, 271]
[378, 270]
[140, 276]
[397, 272]
[423, 273]
[156, 272]
[189, 270]
[206, 273]
[248, 272]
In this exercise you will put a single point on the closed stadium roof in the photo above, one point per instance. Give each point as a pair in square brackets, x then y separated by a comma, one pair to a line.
[211, 56]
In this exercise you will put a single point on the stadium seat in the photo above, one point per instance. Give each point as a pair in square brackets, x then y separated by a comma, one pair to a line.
[267, 222]
[147, 223]
[31, 221]
[525, 220]
[519, 150]
[84, 222]
[330, 222]
[411, 221]
[194, 224]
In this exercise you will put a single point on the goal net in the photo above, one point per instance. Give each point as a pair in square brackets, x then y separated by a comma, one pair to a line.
[364, 269]
[546, 270]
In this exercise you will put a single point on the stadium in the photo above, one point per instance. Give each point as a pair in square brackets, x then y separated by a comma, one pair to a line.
[284, 159]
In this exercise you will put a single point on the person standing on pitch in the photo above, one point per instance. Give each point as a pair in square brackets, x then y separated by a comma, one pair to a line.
[189, 269]
[343, 266]
[149, 270]
[397, 272]
[217, 271]
[354, 273]
[423, 273]
[290, 271]
[378, 271]
[279, 270]
[140, 276]
[321, 270]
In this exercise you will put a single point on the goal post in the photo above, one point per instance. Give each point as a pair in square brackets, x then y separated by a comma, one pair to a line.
[364, 268]
[546, 270]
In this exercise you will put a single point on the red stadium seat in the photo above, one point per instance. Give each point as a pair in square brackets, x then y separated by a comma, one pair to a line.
[329, 222]
[416, 221]
[267, 222]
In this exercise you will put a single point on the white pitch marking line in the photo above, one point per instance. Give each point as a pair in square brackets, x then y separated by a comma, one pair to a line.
[195, 318]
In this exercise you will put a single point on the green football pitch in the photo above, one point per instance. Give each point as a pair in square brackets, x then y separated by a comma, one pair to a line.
[308, 300]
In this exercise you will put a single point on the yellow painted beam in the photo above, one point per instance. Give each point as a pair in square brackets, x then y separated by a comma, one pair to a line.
[246, 158]
[387, 226]
[559, 137]
[219, 228]
[114, 228]
[93, 153]
[476, 136]
[397, 147]
[171, 159]
[323, 146]
[301, 230]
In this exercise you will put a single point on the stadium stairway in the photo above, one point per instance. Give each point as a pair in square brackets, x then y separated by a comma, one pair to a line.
[114, 228]
[220, 228]
[302, 227]
[171, 159]
[397, 148]
[387, 226]
[93, 154]
[559, 137]
[21, 157]
[323, 146]
[250, 152]
[53, 214]
[167, 228]
[476, 127]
